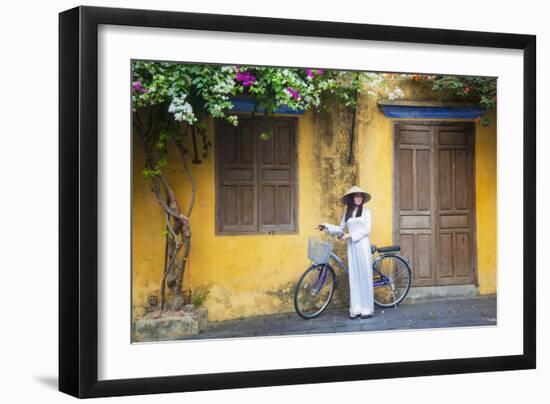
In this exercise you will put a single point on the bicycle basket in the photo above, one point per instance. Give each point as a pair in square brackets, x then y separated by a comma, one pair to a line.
[319, 250]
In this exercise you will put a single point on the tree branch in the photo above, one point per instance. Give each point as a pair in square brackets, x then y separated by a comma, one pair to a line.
[137, 120]
[179, 282]
[165, 275]
[189, 174]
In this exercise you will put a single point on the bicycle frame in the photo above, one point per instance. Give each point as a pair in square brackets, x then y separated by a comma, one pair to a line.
[383, 281]
[322, 277]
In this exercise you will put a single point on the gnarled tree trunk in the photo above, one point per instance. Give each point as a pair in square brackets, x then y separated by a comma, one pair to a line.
[178, 230]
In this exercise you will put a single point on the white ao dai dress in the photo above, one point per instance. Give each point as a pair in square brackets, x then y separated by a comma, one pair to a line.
[359, 261]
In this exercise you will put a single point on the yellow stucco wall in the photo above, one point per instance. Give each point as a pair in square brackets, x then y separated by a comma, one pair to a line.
[486, 205]
[248, 275]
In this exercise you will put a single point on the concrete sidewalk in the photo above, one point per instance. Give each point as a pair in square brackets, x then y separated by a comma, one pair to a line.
[455, 312]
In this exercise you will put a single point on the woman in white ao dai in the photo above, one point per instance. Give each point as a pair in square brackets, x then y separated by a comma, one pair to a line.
[358, 225]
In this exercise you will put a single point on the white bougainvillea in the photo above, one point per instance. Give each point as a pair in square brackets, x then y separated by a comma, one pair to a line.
[182, 110]
[395, 94]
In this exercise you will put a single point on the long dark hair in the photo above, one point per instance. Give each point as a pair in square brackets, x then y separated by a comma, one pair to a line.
[351, 206]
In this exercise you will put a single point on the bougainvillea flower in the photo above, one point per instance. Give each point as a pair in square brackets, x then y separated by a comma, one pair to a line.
[311, 73]
[246, 78]
[295, 94]
[138, 87]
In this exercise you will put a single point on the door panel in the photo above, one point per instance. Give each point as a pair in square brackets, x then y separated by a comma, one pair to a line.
[416, 183]
[455, 207]
[406, 178]
[445, 256]
[423, 261]
[434, 202]
[445, 193]
[423, 184]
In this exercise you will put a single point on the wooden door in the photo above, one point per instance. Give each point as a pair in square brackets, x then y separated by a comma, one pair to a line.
[434, 202]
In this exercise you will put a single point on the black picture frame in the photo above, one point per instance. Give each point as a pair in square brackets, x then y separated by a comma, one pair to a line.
[78, 201]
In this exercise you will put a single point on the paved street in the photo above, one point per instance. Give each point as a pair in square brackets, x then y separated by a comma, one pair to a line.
[455, 312]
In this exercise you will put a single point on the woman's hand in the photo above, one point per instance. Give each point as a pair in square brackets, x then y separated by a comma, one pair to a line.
[345, 237]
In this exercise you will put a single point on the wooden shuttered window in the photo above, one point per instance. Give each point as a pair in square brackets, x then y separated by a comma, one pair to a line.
[256, 179]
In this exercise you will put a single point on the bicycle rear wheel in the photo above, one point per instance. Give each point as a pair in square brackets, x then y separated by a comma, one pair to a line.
[392, 280]
[314, 290]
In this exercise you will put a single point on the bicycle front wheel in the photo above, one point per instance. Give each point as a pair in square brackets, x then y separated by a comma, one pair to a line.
[314, 291]
[392, 280]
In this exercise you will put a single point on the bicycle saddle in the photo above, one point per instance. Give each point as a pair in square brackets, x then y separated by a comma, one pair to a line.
[390, 248]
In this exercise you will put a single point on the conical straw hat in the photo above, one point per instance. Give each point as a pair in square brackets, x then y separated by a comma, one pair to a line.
[353, 190]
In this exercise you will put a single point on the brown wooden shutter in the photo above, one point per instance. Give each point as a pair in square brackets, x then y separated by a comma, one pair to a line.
[277, 179]
[237, 183]
[255, 191]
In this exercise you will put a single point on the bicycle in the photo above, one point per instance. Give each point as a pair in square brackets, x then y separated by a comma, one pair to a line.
[313, 293]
